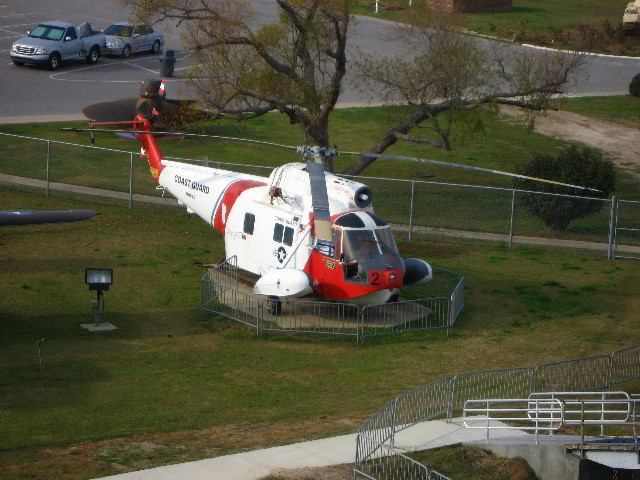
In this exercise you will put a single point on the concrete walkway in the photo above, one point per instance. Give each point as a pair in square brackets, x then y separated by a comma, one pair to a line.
[96, 192]
[317, 453]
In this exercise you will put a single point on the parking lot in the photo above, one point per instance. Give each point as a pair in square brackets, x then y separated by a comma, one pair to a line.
[35, 91]
[28, 92]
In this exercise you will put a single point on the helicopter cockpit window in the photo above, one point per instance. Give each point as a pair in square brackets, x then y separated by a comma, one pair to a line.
[366, 250]
[385, 239]
[278, 230]
[288, 236]
[359, 245]
[249, 222]
[350, 220]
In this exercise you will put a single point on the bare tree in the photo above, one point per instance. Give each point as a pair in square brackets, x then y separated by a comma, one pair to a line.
[294, 66]
[449, 75]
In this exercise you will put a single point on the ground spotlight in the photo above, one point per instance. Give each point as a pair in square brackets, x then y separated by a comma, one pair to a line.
[98, 279]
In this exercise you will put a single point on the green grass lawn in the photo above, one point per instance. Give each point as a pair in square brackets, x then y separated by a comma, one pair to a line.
[194, 386]
[624, 110]
[544, 22]
[501, 146]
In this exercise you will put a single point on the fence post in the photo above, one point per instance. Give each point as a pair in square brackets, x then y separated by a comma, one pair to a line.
[393, 423]
[610, 373]
[130, 180]
[413, 189]
[206, 161]
[48, 157]
[513, 208]
[452, 386]
[452, 302]
[259, 314]
[612, 227]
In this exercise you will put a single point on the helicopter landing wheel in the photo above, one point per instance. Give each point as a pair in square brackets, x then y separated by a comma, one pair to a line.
[274, 305]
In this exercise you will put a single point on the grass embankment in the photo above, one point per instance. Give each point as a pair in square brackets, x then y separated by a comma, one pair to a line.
[470, 463]
[171, 385]
[544, 22]
[460, 463]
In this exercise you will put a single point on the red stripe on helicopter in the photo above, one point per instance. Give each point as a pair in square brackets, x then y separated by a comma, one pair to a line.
[231, 194]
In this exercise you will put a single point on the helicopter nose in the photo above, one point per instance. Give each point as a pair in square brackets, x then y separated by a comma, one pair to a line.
[417, 271]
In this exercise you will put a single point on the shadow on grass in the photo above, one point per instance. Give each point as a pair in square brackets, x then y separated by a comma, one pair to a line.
[517, 9]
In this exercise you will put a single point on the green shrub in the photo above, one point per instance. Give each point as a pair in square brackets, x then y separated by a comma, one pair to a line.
[584, 167]
[634, 86]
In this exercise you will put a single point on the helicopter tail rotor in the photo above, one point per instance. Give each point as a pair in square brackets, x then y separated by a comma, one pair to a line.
[152, 95]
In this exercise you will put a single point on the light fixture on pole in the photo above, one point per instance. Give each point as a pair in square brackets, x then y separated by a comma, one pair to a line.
[98, 279]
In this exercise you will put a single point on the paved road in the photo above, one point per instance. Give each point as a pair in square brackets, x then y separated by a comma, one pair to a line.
[33, 91]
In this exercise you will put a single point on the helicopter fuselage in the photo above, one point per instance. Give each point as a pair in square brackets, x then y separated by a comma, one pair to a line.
[268, 227]
[301, 231]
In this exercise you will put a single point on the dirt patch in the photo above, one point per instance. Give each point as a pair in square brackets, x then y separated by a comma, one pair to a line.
[109, 457]
[471, 463]
[622, 144]
[335, 472]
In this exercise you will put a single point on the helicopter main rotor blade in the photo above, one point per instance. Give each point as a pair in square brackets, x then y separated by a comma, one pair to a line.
[320, 202]
[37, 217]
[469, 167]
[181, 134]
[333, 152]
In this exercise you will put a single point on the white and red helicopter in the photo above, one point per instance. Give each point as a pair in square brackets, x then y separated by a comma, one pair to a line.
[301, 231]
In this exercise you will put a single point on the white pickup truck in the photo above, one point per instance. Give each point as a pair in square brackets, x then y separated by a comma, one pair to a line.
[631, 17]
[51, 43]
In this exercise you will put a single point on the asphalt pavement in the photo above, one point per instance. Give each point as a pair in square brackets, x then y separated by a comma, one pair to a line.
[31, 91]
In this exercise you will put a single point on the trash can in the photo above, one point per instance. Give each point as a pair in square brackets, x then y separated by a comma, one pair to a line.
[167, 63]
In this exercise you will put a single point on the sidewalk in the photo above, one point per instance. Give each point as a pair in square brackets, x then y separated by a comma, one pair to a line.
[317, 453]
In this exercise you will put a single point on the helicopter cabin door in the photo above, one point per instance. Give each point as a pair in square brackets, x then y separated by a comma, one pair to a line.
[239, 243]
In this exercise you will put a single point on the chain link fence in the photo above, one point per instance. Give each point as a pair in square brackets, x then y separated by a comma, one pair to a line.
[376, 457]
[431, 210]
[432, 308]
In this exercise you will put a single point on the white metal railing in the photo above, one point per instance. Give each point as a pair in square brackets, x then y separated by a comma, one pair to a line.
[447, 395]
[537, 415]
[548, 411]
[603, 408]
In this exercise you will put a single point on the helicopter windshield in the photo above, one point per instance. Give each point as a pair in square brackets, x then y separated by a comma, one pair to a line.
[386, 242]
[362, 244]
[366, 250]
[359, 244]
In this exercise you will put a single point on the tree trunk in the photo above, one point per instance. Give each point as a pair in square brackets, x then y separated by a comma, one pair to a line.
[318, 130]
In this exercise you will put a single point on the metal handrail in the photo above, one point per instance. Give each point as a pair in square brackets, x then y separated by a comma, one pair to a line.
[388, 423]
[550, 413]
[545, 414]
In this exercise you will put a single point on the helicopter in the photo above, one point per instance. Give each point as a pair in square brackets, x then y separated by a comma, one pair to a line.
[301, 231]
